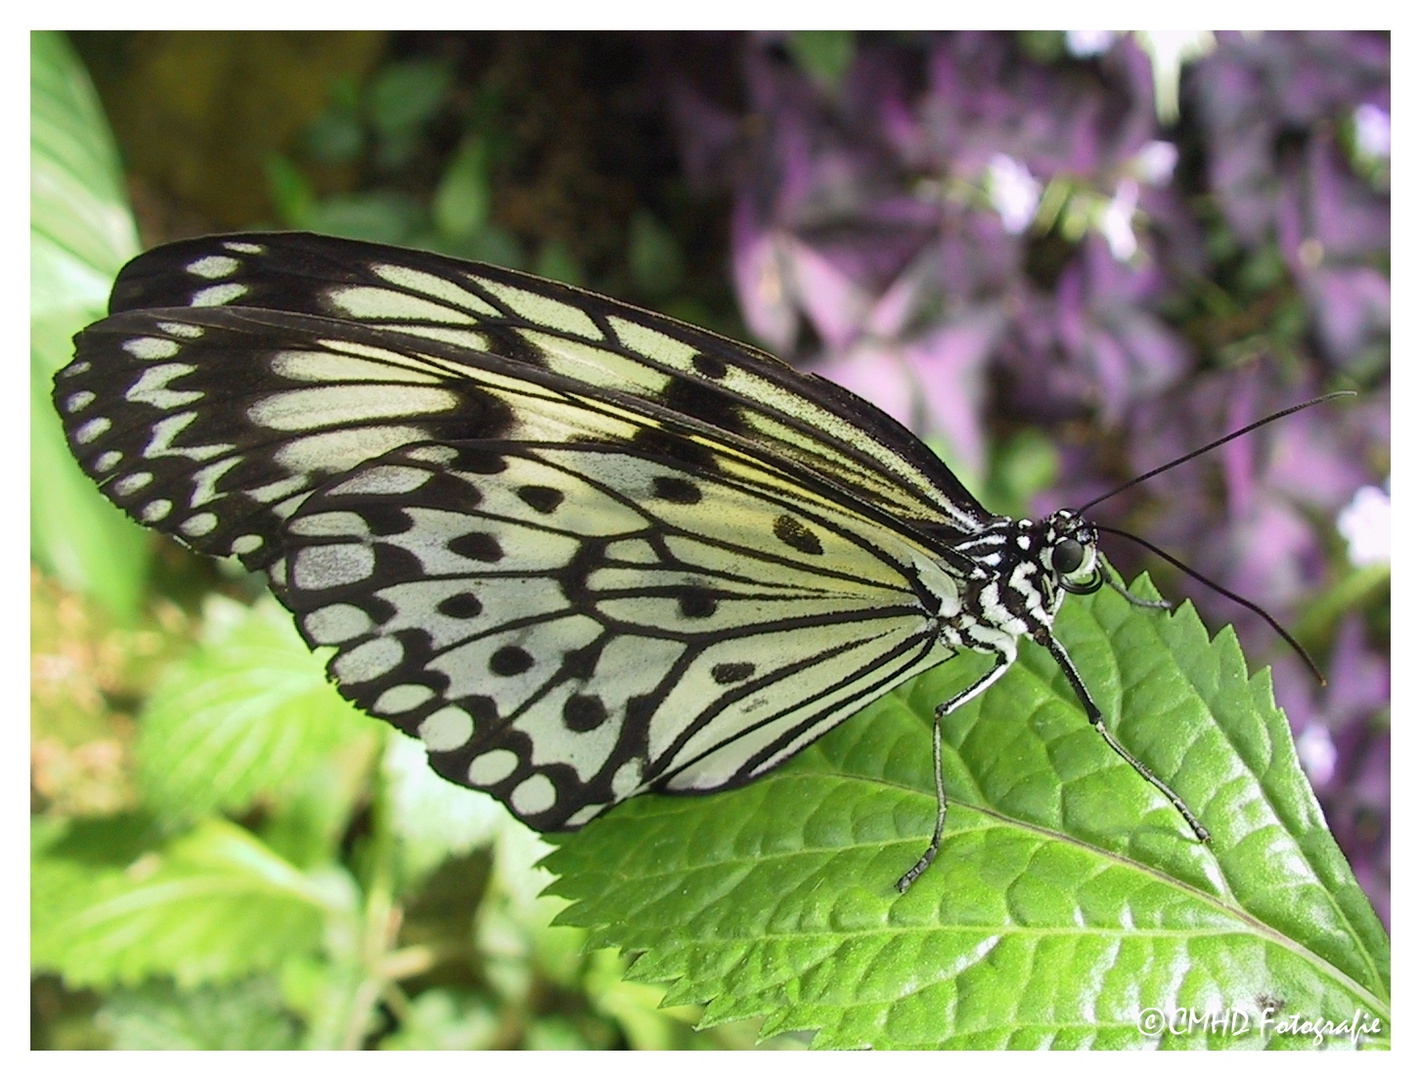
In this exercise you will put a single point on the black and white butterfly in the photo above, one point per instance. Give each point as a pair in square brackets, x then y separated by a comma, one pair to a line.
[581, 550]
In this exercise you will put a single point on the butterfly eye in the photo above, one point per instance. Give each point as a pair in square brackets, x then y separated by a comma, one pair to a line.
[1066, 556]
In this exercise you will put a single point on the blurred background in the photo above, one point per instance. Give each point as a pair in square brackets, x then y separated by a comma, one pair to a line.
[1062, 259]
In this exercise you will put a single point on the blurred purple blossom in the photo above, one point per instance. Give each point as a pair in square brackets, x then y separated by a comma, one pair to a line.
[975, 235]
[1270, 107]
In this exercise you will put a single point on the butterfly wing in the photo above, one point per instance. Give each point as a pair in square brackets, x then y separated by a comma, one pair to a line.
[594, 340]
[568, 626]
[689, 561]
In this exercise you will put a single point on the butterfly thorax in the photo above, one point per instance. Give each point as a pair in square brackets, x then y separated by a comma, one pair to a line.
[1022, 570]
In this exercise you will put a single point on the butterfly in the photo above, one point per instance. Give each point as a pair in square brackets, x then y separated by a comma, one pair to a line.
[581, 550]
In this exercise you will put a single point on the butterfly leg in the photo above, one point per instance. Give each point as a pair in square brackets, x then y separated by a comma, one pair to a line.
[1097, 722]
[1003, 661]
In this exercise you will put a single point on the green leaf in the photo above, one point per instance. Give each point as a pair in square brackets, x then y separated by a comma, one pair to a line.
[81, 232]
[212, 904]
[823, 55]
[446, 1020]
[80, 226]
[247, 713]
[1068, 898]
[461, 201]
[247, 1015]
[406, 95]
[434, 819]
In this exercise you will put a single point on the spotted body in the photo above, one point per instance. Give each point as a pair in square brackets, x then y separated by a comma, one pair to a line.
[581, 550]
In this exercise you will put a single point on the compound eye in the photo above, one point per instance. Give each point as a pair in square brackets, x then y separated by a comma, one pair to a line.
[1066, 556]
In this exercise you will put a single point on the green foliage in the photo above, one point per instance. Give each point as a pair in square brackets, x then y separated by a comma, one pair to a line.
[247, 1015]
[823, 55]
[1068, 894]
[211, 904]
[81, 232]
[248, 712]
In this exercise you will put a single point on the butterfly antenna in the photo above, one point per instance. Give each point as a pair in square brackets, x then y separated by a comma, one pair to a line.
[1213, 446]
[1288, 638]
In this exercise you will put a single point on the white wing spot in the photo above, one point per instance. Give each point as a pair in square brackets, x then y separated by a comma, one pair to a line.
[244, 247]
[181, 329]
[156, 511]
[204, 481]
[107, 461]
[368, 661]
[217, 295]
[330, 565]
[198, 525]
[467, 339]
[383, 480]
[213, 267]
[79, 402]
[597, 366]
[435, 455]
[534, 795]
[544, 311]
[168, 429]
[406, 277]
[343, 406]
[627, 778]
[448, 729]
[246, 544]
[652, 343]
[325, 367]
[127, 485]
[152, 386]
[341, 451]
[151, 348]
[371, 302]
[1023, 542]
[491, 767]
[90, 431]
[330, 523]
[337, 623]
[272, 493]
[400, 699]
[584, 815]
[78, 367]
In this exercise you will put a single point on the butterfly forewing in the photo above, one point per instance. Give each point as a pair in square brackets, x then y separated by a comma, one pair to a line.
[592, 340]
[569, 626]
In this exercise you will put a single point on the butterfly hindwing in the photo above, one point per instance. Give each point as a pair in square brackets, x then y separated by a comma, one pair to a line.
[567, 626]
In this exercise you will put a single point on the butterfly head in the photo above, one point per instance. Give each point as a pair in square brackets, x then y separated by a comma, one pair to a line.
[1071, 548]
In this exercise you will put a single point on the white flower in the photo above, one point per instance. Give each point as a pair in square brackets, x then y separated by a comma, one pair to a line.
[1317, 753]
[1089, 42]
[1372, 131]
[1117, 222]
[1155, 161]
[1015, 193]
[1365, 524]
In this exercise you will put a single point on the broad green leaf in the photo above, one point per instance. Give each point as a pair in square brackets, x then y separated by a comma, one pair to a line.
[210, 905]
[824, 55]
[247, 1015]
[247, 713]
[433, 818]
[1069, 897]
[446, 1020]
[405, 95]
[81, 228]
[462, 200]
[81, 232]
